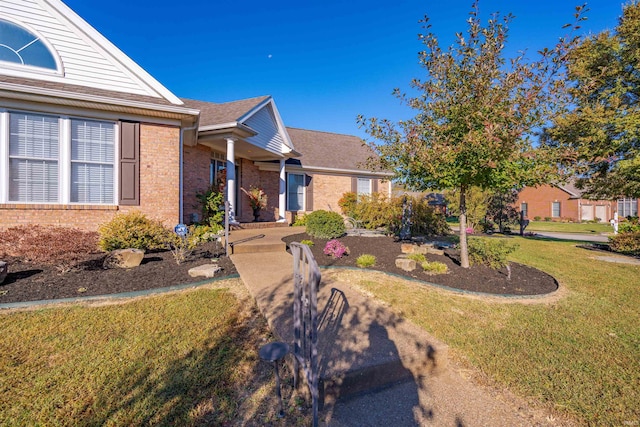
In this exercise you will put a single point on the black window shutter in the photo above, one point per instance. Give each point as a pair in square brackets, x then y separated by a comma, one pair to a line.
[374, 185]
[354, 184]
[308, 182]
[129, 164]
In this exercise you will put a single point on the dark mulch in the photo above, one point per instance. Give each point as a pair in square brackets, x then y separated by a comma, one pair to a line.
[478, 278]
[29, 282]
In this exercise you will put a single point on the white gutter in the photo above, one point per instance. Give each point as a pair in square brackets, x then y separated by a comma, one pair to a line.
[37, 94]
[273, 167]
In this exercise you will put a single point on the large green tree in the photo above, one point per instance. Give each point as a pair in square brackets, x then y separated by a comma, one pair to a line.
[476, 113]
[600, 136]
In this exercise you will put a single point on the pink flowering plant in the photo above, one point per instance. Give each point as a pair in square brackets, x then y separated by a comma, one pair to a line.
[336, 249]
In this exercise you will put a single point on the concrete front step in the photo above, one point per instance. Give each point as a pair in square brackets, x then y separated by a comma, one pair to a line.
[253, 248]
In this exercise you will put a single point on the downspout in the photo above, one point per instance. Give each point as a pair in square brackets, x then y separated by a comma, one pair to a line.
[181, 175]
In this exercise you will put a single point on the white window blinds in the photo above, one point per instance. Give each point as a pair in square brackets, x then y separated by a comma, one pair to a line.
[33, 158]
[92, 161]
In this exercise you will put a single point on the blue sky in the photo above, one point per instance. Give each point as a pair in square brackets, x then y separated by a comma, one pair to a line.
[324, 62]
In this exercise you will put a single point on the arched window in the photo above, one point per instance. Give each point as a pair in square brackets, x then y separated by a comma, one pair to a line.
[20, 46]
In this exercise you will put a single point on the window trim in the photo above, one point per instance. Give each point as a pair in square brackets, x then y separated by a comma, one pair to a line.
[304, 193]
[64, 158]
[559, 210]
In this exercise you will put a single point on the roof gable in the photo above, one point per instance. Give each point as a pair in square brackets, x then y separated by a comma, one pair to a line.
[87, 59]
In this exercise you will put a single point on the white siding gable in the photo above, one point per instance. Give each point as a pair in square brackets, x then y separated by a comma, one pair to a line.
[87, 58]
[269, 136]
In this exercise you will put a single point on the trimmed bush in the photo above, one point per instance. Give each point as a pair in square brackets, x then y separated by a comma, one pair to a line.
[325, 225]
[300, 221]
[133, 230]
[434, 267]
[307, 242]
[61, 247]
[626, 243]
[490, 252]
[366, 260]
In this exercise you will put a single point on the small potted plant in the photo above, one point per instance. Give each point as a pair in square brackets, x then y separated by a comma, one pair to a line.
[257, 200]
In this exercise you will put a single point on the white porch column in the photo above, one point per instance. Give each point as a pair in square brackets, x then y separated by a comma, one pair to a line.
[231, 179]
[281, 193]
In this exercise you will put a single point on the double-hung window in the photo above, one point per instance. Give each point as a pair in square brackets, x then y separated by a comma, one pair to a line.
[34, 142]
[295, 192]
[364, 186]
[92, 160]
[55, 159]
[555, 209]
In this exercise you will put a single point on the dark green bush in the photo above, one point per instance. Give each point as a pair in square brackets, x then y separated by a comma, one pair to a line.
[490, 252]
[626, 243]
[133, 230]
[325, 225]
[212, 205]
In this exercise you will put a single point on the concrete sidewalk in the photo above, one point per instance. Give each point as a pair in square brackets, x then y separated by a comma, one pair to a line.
[376, 368]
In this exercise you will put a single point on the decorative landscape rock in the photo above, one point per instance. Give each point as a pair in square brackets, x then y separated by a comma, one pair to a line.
[124, 258]
[4, 270]
[406, 264]
[206, 270]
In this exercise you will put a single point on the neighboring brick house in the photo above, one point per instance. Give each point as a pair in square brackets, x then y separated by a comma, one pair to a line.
[563, 202]
[85, 132]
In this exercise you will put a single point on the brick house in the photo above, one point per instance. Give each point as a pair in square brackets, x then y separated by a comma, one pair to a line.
[563, 202]
[85, 133]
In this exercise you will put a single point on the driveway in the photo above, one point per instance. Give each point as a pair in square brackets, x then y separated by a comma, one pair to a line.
[573, 236]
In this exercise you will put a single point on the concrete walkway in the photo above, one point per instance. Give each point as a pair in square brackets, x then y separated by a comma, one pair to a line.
[377, 369]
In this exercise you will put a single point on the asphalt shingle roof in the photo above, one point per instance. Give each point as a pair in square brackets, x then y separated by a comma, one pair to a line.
[329, 150]
[215, 114]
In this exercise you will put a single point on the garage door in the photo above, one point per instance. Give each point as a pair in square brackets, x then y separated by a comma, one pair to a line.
[587, 213]
[601, 213]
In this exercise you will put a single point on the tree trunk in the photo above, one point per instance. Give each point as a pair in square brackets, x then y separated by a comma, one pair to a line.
[464, 250]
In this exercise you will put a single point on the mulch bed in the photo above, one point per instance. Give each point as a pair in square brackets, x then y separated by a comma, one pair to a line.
[478, 278]
[30, 282]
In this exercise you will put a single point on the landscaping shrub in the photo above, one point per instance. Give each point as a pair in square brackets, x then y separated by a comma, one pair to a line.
[419, 258]
[61, 247]
[375, 211]
[348, 203]
[133, 230]
[336, 249]
[366, 260]
[536, 218]
[425, 220]
[307, 242]
[626, 243]
[212, 205]
[325, 225]
[631, 225]
[490, 252]
[434, 267]
[204, 233]
[300, 221]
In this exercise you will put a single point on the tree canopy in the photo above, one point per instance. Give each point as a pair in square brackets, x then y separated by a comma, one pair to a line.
[476, 115]
[600, 135]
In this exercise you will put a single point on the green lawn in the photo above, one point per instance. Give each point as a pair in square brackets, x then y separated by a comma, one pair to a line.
[559, 227]
[569, 227]
[182, 359]
[579, 355]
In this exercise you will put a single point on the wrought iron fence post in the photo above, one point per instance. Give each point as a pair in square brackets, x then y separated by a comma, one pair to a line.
[306, 281]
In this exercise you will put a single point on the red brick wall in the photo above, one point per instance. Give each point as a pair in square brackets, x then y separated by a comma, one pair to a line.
[196, 179]
[159, 189]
